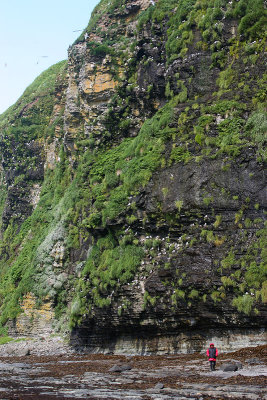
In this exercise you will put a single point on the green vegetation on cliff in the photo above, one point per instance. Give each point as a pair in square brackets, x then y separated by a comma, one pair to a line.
[23, 133]
[107, 212]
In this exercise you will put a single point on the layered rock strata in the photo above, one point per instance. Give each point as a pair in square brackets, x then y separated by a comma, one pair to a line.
[134, 186]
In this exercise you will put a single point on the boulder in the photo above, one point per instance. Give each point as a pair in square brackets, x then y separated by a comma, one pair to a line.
[26, 351]
[232, 361]
[16, 352]
[253, 360]
[229, 367]
[159, 386]
[120, 368]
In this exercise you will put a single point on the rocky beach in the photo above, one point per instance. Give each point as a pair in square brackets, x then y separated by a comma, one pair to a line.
[49, 369]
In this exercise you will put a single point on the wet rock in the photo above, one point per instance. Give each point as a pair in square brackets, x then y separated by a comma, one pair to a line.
[120, 368]
[115, 368]
[17, 352]
[253, 360]
[159, 386]
[229, 367]
[85, 377]
[25, 352]
[236, 362]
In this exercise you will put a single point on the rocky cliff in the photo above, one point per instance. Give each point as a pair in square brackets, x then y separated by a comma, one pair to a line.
[133, 182]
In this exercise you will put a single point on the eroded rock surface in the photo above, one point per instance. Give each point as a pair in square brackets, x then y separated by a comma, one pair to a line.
[178, 377]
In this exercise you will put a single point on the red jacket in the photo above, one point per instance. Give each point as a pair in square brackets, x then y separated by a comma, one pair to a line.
[213, 358]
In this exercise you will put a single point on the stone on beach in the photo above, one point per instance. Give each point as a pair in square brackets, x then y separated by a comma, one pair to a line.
[120, 368]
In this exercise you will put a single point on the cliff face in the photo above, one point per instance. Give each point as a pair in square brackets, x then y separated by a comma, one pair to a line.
[133, 187]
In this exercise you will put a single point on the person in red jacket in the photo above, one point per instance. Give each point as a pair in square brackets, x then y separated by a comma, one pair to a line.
[212, 353]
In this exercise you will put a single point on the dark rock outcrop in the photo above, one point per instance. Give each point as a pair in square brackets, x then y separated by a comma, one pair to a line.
[134, 184]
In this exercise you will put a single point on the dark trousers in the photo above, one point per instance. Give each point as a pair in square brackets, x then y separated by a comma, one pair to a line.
[212, 365]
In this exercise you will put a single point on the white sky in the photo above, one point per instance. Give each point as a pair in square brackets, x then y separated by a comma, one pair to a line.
[33, 36]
